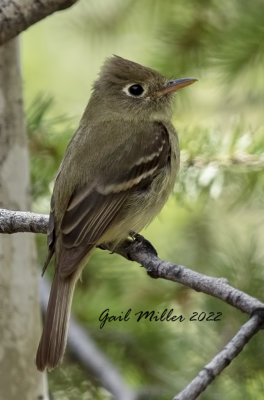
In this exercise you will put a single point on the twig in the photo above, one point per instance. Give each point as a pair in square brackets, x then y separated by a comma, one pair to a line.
[141, 251]
[221, 360]
[18, 15]
[22, 221]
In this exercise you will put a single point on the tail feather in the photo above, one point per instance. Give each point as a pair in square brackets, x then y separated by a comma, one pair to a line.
[53, 340]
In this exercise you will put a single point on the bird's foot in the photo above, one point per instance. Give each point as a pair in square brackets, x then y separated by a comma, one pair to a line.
[143, 242]
[107, 246]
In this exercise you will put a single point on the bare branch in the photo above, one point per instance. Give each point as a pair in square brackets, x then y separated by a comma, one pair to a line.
[141, 251]
[22, 221]
[18, 15]
[221, 360]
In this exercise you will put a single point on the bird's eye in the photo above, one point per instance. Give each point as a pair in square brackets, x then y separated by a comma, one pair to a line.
[135, 90]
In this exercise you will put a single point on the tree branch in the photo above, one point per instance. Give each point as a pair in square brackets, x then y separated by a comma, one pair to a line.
[222, 359]
[22, 221]
[18, 15]
[141, 251]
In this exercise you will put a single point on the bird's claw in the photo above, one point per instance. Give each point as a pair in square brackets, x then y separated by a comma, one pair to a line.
[144, 242]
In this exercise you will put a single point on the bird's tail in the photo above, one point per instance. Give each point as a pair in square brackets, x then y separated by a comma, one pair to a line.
[53, 340]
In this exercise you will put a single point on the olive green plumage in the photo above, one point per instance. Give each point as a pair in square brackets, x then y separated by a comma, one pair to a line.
[116, 175]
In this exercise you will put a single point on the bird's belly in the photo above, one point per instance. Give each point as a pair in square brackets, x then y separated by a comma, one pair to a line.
[141, 208]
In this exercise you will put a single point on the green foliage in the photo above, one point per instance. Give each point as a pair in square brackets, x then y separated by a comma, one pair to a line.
[245, 49]
[214, 222]
[214, 161]
[71, 383]
[47, 138]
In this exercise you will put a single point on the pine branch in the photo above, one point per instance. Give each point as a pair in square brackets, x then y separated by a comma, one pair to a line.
[141, 251]
[239, 159]
[18, 15]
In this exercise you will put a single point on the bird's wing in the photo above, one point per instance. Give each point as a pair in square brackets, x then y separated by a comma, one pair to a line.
[93, 208]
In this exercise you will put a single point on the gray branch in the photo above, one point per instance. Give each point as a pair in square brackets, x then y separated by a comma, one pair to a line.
[18, 15]
[222, 359]
[141, 251]
[22, 221]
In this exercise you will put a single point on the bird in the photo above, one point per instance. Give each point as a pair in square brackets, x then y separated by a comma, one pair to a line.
[116, 175]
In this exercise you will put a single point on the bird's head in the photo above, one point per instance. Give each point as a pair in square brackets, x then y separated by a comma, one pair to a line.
[133, 91]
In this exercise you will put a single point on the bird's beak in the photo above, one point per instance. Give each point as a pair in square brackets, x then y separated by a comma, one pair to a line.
[174, 85]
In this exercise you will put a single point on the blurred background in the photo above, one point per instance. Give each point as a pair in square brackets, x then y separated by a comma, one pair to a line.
[213, 223]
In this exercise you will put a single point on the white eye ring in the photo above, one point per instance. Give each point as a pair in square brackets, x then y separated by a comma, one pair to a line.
[138, 89]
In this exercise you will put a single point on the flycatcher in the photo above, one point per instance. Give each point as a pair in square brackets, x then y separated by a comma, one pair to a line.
[116, 175]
